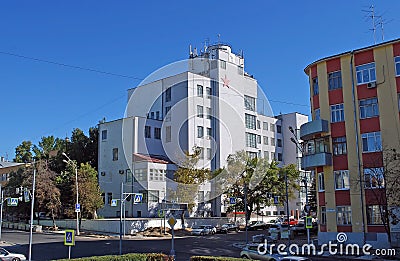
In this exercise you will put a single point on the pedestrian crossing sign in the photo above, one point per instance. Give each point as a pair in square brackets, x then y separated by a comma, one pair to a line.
[12, 202]
[137, 198]
[69, 238]
[113, 202]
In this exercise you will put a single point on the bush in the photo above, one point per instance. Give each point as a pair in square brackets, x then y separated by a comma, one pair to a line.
[126, 257]
[214, 258]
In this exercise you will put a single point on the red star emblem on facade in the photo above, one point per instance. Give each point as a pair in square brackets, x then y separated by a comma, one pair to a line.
[225, 81]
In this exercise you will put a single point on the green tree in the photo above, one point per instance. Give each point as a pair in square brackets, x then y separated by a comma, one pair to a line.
[89, 191]
[261, 178]
[188, 179]
[23, 152]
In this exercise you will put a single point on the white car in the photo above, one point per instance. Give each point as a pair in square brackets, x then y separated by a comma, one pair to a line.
[5, 255]
[202, 230]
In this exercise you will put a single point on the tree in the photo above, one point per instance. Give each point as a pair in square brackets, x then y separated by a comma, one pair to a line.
[188, 179]
[261, 178]
[89, 191]
[23, 152]
[47, 194]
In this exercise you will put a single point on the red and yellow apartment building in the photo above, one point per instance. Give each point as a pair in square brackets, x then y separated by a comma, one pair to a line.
[355, 126]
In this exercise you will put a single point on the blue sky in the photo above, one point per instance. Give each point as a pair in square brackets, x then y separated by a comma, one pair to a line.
[134, 38]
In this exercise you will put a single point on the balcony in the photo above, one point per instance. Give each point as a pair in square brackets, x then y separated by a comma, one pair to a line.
[307, 130]
[310, 161]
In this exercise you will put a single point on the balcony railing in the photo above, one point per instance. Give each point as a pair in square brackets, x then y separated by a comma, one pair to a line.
[307, 130]
[308, 162]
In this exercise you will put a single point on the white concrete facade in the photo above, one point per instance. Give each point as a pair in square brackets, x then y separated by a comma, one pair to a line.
[213, 105]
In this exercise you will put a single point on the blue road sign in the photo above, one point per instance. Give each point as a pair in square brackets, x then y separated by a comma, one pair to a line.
[69, 238]
[114, 203]
[137, 198]
[276, 200]
[77, 207]
[12, 202]
[26, 196]
[232, 200]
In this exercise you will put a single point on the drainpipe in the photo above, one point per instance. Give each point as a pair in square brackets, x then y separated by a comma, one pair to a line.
[357, 145]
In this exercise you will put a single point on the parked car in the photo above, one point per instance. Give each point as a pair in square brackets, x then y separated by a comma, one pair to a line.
[299, 228]
[251, 252]
[254, 225]
[213, 229]
[228, 227]
[8, 256]
[292, 221]
[202, 230]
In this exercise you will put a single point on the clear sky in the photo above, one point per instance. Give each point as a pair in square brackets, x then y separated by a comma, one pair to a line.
[134, 38]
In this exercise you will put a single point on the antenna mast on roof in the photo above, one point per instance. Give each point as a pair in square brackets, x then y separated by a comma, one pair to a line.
[219, 38]
[371, 14]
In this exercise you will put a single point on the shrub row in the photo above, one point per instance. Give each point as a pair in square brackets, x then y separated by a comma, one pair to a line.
[214, 258]
[126, 257]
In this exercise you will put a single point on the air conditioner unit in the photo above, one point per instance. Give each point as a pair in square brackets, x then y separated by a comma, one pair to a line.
[371, 85]
[121, 171]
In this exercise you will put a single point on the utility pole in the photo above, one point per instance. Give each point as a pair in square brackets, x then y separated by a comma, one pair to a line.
[120, 219]
[1, 209]
[32, 205]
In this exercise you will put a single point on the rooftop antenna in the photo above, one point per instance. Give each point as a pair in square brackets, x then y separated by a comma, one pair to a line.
[371, 14]
[219, 38]
[381, 23]
[190, 51]
[206, 43]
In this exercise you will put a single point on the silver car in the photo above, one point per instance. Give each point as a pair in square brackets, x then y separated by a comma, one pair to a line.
[251, 252]
[202, 230]
[8, 256]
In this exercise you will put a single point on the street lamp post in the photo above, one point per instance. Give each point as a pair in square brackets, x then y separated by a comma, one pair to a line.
[32, 205]
[69, 161]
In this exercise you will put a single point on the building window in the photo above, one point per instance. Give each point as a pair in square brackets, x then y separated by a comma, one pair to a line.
[272, 155]
[153, 196]
[157, 115]
[251, 155]
[167, 116]
[200, 111]
[369, 108]
[323, 215]
[365, 73]
[374, 178]
[280, 157]
[321, 181]
[317, 114]
[259, 139]
[200, 196]
[147, 131]
[208, 133]
[265, 125]
[342, 179]
[375, 214]
[168, 94]
[266, 155]
[278, 128]
[397, 65]
[251, 140]
[265, 140]
[140, 175]
[152, 115]
[250, 121]
[258, 124]
[339, 146]
[209, 153]
[103, 134]
[315, 86]
[208, 92]
[168, 134]
[335, 80]
[109, 198]
[115, 154]
[272, 127]
[201, 150]
[343, 216]
[157, 133]
[337, 113]
[200, 132]
[199, 90]
[371, 142]
[249, 103]
[223, 64]
[208, 110]
[240, 70]
[272, 141]
[279, 142]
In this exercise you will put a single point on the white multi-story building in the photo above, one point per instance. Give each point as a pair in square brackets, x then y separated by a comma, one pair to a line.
[213, 105]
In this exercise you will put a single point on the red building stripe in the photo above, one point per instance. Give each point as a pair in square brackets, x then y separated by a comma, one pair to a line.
[335, 96]
[364, 57]
[333, 65]
[342, 197]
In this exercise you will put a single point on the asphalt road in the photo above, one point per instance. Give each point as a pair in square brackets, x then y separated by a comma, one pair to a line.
[51, 246]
